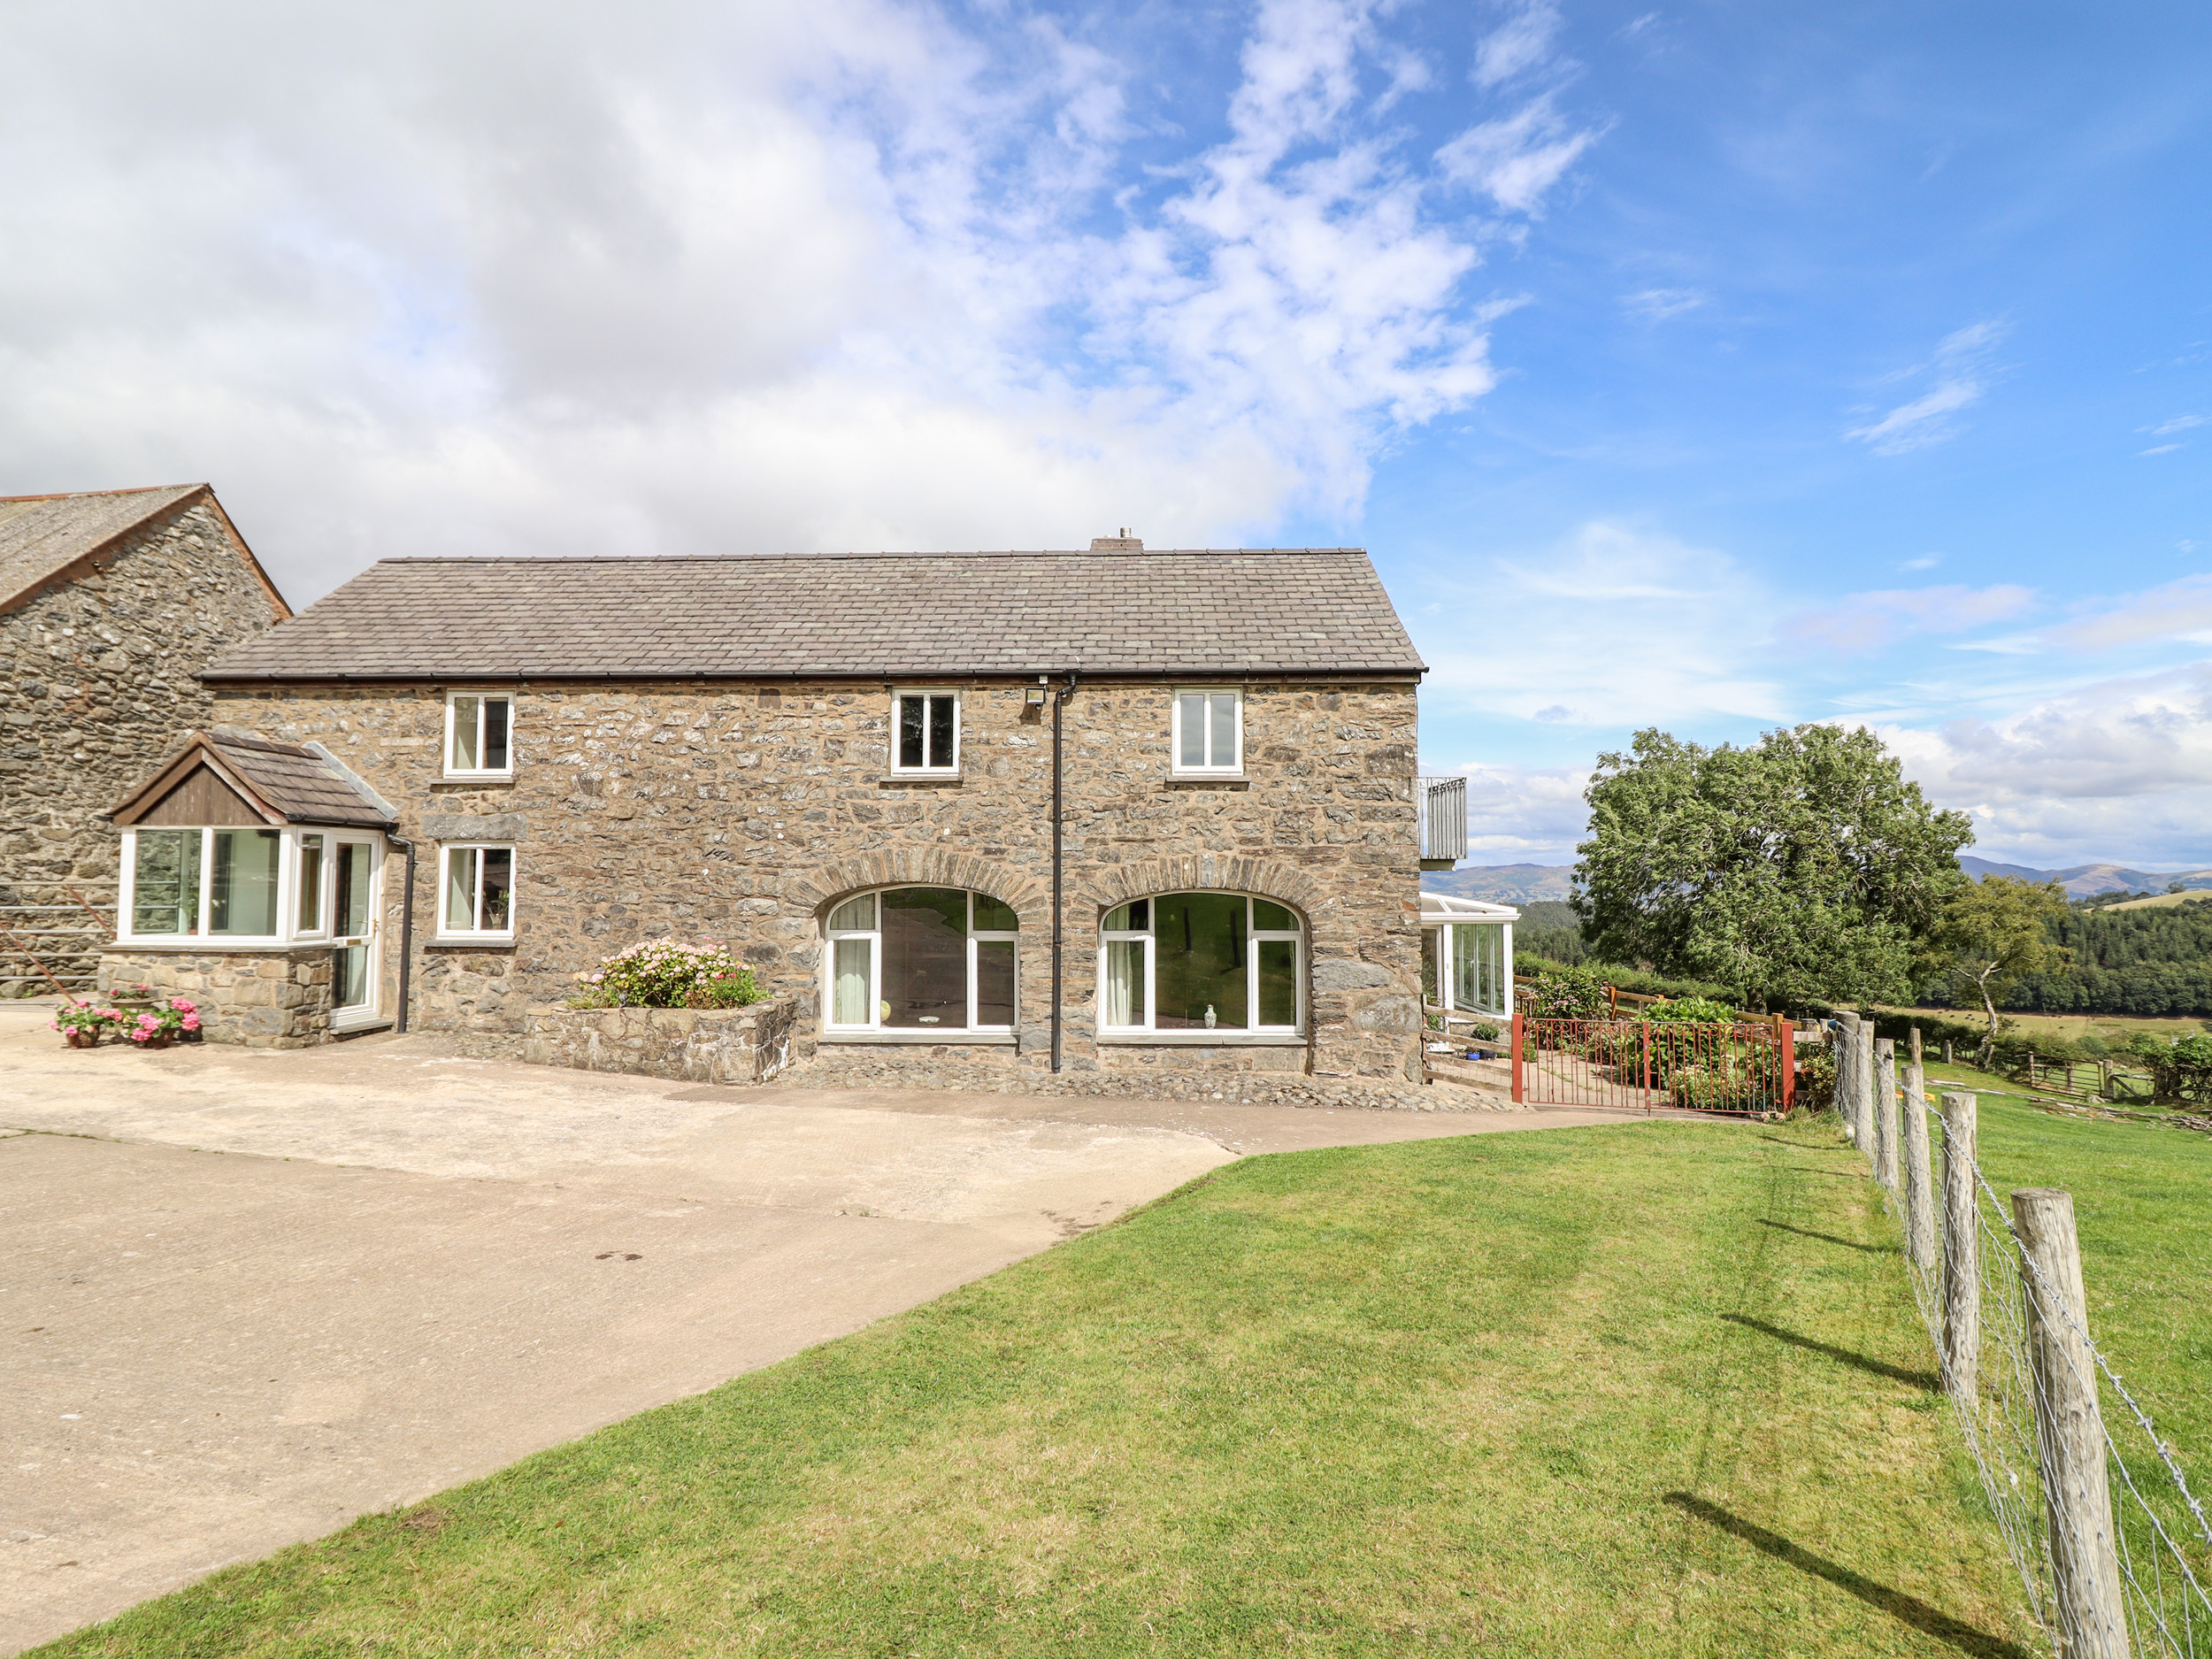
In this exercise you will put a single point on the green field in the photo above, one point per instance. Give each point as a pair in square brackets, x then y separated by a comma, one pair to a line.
[1647, 1388]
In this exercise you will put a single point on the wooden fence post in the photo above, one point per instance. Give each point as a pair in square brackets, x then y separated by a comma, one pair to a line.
[1962, 1252]
[1919, 1197]
[2069, 1441]
[1885, 1112]
[1846, 1050]
[1947, 1060]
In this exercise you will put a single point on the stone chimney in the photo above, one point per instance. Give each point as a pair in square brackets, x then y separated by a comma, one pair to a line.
[1122, 543]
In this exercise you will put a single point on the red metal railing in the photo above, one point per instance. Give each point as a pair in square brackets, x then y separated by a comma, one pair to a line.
[1655, 1065]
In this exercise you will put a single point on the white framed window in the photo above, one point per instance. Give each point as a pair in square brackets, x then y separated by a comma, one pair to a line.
[480, 735]
[925, 731]
[235, 884]
[476, 892]
[1201, 962]
[1209, 731]
[929, 960]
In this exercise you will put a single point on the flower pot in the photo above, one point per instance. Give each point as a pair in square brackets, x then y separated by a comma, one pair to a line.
[160, 1040]
[81, 1039]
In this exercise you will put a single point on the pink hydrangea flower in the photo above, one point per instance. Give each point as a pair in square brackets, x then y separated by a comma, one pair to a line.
[192, 1022]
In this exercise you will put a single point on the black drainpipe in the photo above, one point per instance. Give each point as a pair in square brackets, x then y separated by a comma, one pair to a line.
[1059, 701]
[406, 931]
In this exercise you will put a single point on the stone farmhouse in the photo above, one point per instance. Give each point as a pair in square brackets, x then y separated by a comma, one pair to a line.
[111, 604]
[1103, 809]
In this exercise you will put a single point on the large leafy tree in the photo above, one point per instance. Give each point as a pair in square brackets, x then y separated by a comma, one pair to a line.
[1993, 935]
[1800, 867]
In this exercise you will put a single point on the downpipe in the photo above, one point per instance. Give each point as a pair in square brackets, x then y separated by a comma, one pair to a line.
[406, 931]
[1059, 703]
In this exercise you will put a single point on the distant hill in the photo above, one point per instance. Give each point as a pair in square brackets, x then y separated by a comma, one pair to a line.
[1525, 884]
[2082, 881]
[1503, 884]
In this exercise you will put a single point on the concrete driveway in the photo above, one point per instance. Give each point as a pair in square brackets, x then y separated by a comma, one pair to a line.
[247, 1297]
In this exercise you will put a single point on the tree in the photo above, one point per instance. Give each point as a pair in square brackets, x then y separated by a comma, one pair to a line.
[1993, 935]
[1798, 868]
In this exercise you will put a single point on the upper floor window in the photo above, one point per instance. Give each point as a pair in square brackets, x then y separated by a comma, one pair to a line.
[477, 902]
[479, 735]
[927, 737]
[925, 959]
[1201, 962]
[1209, 733]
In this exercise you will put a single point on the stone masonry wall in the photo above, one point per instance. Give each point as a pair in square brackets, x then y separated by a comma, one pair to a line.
[268, 999]
[96, 688]
[742, 813]
[698, 1045]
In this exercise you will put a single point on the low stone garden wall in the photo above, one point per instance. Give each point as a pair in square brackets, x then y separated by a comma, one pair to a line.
[264, 999]
[696, 1045]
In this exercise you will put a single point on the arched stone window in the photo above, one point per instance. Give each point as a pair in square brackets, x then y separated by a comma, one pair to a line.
[1226, 962]
[930, 960]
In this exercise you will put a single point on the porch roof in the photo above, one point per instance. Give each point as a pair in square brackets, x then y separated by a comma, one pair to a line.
[285, 783]
[1445, 907]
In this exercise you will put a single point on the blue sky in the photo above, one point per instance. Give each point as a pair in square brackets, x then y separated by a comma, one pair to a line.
[1714, 367]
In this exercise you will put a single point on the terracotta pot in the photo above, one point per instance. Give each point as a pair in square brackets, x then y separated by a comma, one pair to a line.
[160, 1040]
[81, 1039]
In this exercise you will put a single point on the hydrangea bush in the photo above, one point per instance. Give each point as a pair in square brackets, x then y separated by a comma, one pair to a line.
[163, 1020]
[662, 974]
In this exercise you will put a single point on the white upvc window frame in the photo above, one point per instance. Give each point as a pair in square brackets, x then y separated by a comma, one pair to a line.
[1146, 937]
[288, 930]
[445, 935]
[483, 695]
[1212, 764]
[874, 936]
[932, 766]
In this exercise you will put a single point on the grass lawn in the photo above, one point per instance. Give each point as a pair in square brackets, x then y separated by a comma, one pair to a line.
[1655, 1387]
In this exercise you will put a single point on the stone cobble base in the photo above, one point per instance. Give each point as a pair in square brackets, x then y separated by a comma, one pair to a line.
[692, 1045]
[1242, 1088]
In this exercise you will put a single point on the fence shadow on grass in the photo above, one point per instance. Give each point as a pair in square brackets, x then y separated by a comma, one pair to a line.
[1830, 1238]
[1904, 1608]
[1924, 1379]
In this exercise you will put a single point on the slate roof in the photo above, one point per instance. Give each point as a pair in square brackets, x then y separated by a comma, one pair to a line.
[1183, 613]
[41, 535]
[288, 783]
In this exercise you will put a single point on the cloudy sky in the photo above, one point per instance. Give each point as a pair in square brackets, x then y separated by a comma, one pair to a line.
[1714, 366]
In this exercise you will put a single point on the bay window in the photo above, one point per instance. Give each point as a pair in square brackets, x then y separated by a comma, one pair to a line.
[234, 885]
[1224, 961]
[934, 961]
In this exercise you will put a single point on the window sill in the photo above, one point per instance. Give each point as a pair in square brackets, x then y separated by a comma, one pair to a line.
[910, 1037]
[1203, 780]
[919, 780]
[216, 943]
[477, 777]
[490, 942]
[1201, 1039]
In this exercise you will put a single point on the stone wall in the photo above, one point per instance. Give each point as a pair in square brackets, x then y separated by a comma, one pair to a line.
[96, 688]
[734, 1045]
[742, 813]
[264, 999]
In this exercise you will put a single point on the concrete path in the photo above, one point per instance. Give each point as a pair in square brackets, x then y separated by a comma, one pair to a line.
[245, 1296]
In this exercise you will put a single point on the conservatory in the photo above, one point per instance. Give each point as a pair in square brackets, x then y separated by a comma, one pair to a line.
[1466, 957]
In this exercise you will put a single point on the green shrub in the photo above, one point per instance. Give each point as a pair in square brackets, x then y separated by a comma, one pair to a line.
[1698, 1009]
[661, 973]
[1564, 994]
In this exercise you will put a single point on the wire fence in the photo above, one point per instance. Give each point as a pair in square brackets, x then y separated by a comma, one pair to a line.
[2111, 1543]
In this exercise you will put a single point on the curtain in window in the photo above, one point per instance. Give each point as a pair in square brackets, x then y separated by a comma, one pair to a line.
[1193, 724]
[848, 989]
[460, 890]
[243, 883]
[1124, 983]
[1224, 728]
[166, 882]
[464, 716]
[311, 884]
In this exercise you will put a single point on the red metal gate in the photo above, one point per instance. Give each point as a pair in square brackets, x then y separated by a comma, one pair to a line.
[1655, 1065]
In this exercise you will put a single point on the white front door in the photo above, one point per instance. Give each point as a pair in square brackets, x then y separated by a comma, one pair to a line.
[357, 863]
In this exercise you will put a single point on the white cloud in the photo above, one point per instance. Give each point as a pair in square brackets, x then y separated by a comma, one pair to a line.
[1615, 626]
[1522, 813]
[2162, 448]
[2179, 423]
[2175, 610]
[1521, 43]
[2119, 770]
[1963, 372]
[690, 276]
[1926, 562]
[1656, 306]
[1869, 621]
[1515, 159]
